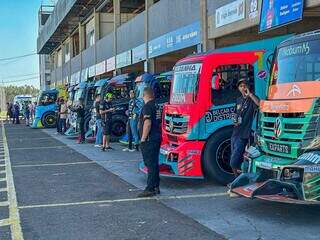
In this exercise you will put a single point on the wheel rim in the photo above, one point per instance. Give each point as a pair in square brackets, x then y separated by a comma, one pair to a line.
[118, 129]
[50, 120]
[223, 155]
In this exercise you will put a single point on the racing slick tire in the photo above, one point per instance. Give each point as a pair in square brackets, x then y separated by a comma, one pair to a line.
[216, 157]
[119, 124]
[49, 120]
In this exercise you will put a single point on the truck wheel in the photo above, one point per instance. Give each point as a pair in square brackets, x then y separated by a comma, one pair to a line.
[216, 157]
[119, 124]
[49, 120]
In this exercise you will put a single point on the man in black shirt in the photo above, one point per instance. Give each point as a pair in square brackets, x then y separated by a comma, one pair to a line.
[106, 110]
[149, 125]
[247, 104]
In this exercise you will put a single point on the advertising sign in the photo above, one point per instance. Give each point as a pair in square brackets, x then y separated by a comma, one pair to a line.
[101, 68]
[253, 9]
[230, 13]
[84, 75]
[275, 13]
[139, 53]
[123, 59]
[181, 38]
[75, 78]
[92, 71]
[111, 64]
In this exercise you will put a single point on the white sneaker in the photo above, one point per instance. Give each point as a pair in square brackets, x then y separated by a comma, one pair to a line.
[97, 145]
[132, 150]
[125, 149]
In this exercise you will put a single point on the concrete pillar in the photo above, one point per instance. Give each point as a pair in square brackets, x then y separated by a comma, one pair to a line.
[149, 63]
[82, 37]
[116, 24]
[204, 24]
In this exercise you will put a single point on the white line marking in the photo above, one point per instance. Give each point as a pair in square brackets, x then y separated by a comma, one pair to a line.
[4, 204]
[5, 222]
[51, 164]
[15, 226]
[35, 148]
[2, 172]
[208, 195]
[3, 189]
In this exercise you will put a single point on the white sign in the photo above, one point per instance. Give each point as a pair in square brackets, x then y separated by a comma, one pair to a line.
[92, 71]
[101, 68]
[230, 13]
[253, 9]
[111, 64]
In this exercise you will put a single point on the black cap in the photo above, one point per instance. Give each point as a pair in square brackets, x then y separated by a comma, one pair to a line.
[242, 80]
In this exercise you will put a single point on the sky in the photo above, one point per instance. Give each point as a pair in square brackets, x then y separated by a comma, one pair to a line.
[18, 36]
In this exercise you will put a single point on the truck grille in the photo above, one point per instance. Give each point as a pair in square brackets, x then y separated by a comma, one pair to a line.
[296, 131]
[175, 123]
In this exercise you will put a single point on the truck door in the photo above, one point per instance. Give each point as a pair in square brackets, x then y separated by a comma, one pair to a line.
[224, 93]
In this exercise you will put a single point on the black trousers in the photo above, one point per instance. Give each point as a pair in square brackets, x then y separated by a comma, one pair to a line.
[130, 137]
[150, 153]
[81, 129]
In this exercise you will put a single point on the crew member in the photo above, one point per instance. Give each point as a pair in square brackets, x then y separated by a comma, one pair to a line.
[63, 116]
[132, 128]
[106, 109]
[99, 134]
[247, 104]
[79, 109]
[149, 127]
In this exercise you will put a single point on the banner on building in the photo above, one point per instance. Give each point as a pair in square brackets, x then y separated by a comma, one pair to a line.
[139, 53]
[101, 68]
[124, 59]
[111, 64]
[276, 13]
[230, 13]
[92, 71]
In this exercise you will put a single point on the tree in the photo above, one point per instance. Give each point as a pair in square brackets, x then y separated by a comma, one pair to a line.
[11, 91]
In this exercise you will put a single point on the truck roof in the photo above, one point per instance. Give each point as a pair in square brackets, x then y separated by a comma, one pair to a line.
[208, 55]
[303, 37]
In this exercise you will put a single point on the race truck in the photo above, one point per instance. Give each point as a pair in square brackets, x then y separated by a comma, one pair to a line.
[45, 115]
[71, 93]
[197, 122]
[85, 91]
[160, 83]
[22, 100]
[284, 163]
[119, 86]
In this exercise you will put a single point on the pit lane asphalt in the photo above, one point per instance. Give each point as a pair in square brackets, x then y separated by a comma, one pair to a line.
[62, 194]
[185, 208]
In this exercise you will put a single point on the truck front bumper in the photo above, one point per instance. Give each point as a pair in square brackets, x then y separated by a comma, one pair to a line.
[36, 123]
[287, 183]
[182, 161]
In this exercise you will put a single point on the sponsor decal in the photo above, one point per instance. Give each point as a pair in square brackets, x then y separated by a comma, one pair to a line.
[265, 165]
[188, 68]
[312, 169]
[253, 9]
[299, 49]
[262, 74]
[220, 114]
[295, 90]
[310, 157]
[280, 148]
[276, 107]
[193, 152]
[163, 151]
[178, 97]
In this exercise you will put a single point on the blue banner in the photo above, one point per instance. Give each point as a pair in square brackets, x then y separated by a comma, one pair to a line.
[275, 13]
[181, 38]
[139, 53]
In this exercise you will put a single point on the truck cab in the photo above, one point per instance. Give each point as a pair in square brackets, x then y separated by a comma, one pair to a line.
[284, 163]
[45, 115]
[197, 121]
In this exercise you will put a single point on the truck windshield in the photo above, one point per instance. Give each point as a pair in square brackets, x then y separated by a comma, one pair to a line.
[297, 63]
[78, 94]
[185, 83]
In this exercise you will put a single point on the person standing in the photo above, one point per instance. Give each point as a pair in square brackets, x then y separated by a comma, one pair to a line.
[106, 109]
[58, 108]
[63, 116]
[99, 134]
[133, 113]
[27, 113]
[247, 104]
[80, 118]
[16, 113]
[149, 127]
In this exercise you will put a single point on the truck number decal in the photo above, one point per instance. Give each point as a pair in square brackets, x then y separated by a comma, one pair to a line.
[221, 114]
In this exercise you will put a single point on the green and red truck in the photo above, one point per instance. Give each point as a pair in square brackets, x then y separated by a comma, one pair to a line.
[284, 163]
[197, 121]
